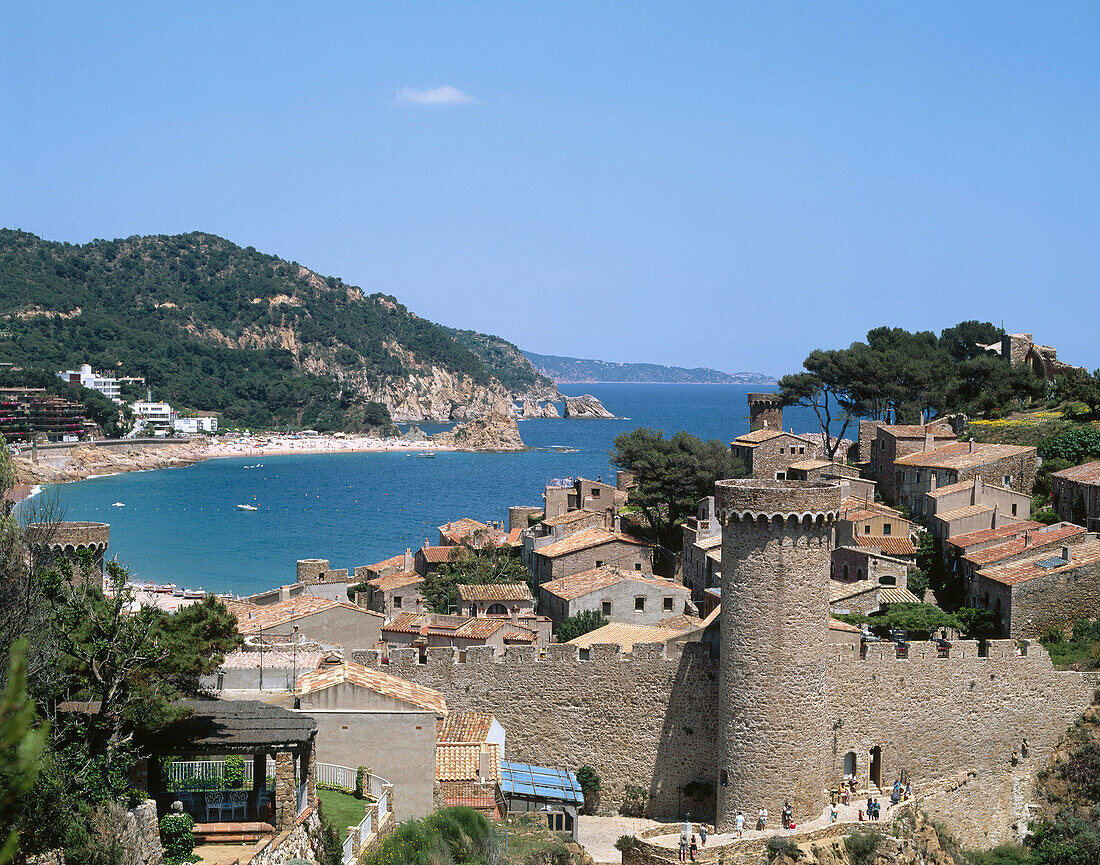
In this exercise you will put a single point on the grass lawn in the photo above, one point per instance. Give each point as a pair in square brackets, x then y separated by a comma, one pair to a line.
[342, 809]
[527, 835]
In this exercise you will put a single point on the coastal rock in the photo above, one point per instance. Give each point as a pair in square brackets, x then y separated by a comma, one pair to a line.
[414, 434]
[550, 411]
[585, 406]
[61, 465]
[498, 432]
[532, 409]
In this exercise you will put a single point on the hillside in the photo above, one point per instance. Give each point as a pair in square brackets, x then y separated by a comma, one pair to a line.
[215, 327]
[575, 370]
[508, 364]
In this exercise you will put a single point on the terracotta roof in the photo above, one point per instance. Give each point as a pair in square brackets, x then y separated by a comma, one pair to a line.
[437, 555]
[1023, 543]
[251, 618]
[917, 431]
[395, 581]
[810, 465]
[519, 637]
[963, 486]
[964, 511]
[445, 626]
[896, 595]
[840, 590]
[513, 537]
[577, 585]
[495, 592]
[959, 455]
[984, 536]
[1019, 572]
[854, 508]
[1089, 473]
[372, 680]
[480, 628]
[570, 517]
[837, 625]
[239, 659]
[892, 546]
[682, 622]
[465, 727]
[586, 539]
[624, 635]
[458, 530]
[461, 761]
[752, 439]
[391, 562]
[407, 623]
[709, 543]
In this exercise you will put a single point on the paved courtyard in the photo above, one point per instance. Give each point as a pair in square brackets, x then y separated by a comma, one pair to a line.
[598, 834]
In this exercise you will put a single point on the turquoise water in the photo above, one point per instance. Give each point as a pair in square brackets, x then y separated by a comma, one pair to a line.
[183, 526]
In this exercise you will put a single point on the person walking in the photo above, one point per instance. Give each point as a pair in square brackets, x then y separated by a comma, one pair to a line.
[683, 848]
[693, 849]
[833, 813]
[703, 834]
[787, 814]
[739, 824]
[762, 819]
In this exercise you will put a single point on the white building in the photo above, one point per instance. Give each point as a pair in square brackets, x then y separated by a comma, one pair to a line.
[105, 383]
[157, 416]
[195, 425]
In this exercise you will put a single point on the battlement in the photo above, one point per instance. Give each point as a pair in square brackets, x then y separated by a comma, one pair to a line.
[756, 498]
[513, 656]
[70, 535]
[934, 652]
[768, 399]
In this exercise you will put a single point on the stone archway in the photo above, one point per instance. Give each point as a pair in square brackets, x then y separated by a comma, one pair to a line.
[875, 769]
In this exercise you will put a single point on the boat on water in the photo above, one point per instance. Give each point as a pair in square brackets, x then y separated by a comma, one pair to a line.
[119, 505]
[426, 455]
[247, 508]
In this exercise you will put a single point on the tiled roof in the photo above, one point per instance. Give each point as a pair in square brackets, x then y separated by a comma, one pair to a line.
[570, 517]
[682, 622]
[896, 595]
[465, 727]
[963, 486]
[495, 592]
[964, 511]
[460, 761]
[854, 508]
[251, 619]
[458, 530]
[1023, 543]
[1089, 473]
[437, 555]
[578, 585]
[471, 794]
[395, 581]
[372, 680]
[519, 637]
[917, 431]
[239, 659]
[586, 539]
[480, 628]
[751, 439]
[1019, 572]
[959, 455]
[624, 635]
[391, 562]
[837, 625]
[513, 537]
[810, 465]
[840, 590]
[407, 623]
[445, 626]
[892, 546]
[984, 536]
[709, 543]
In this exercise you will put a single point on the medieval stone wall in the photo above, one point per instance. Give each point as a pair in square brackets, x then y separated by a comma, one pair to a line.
[765, 410]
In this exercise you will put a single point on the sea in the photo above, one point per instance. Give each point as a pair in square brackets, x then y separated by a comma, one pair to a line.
[182, 525]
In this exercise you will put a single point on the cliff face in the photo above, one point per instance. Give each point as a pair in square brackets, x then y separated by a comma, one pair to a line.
[498, 432]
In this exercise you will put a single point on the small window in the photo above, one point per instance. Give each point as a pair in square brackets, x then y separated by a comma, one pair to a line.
[801, 451]
[780, 476]
[867, 529]
[397, 602]
[1014, 509]
[668, 605]
[221, 680]
[607, 608]
[595, 493]
[639, 605]
[886, 528]
[1008, 480]
[599, 563]
[638, 565]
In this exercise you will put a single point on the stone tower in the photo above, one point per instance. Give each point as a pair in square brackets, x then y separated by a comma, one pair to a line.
[773, 737]
[765, 410]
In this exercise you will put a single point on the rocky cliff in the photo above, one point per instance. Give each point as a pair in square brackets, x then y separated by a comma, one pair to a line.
[585, 406]
[497, 432]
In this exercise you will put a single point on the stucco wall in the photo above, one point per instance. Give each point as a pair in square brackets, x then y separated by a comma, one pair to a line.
[622, 597]
[351, 628]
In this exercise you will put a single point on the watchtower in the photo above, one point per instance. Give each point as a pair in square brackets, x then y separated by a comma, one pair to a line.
[765, 411]
[773, 742]
[70, 539]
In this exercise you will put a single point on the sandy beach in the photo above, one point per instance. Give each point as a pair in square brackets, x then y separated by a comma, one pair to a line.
[277, 445]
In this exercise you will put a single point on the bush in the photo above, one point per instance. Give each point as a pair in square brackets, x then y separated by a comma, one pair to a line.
[634, 801]
[360, 777]
[332, 847]
[625, 842]
[780, 845]
[176, 837]
[581, 623]
[917, 582]
[233, 775]
[861, 846]
[1006, 854]
[591, 785]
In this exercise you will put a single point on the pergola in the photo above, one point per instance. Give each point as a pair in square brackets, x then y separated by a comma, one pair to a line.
[221, 728]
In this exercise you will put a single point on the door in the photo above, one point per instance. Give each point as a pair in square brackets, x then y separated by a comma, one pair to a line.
[876, 767]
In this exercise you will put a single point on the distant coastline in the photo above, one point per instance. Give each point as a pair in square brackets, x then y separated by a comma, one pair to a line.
[575, 370]
[768, 383]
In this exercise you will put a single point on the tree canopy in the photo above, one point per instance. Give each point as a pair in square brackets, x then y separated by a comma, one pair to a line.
[581, 623]
[476, 564]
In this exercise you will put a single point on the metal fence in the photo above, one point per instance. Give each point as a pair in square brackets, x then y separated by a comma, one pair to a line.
[365, 828]
[383, 803]
[332, 775]
[184, 774]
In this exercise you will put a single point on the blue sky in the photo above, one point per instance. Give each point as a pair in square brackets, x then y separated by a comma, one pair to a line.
[726, 184]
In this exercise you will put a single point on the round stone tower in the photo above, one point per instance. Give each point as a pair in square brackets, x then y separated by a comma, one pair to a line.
[772, 725]
[765, 411]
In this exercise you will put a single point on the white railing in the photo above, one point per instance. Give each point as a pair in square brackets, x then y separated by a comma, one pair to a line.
[364, 829]
[180, 772]
[303, 796]
[376, 785]
[383, 804]
[349, 850]
[336, 776]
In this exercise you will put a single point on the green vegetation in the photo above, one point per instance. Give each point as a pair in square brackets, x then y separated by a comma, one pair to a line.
[473, 566]
[212, 326]
[781, 845]
[505, 362]
[1080, 651]
[530, 842]
[921, 621]
[861, 846]
[450, 836]
[591, 784]
[672, 476]
[21, 745]
[1005, 854]
[580, 623]
[175, 835]
[342, 809]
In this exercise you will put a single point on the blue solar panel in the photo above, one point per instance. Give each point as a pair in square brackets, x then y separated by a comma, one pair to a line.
[527, 780]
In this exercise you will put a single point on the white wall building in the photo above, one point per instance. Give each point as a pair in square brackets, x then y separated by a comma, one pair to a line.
[105, 383]
[157, 416]
[195, 425]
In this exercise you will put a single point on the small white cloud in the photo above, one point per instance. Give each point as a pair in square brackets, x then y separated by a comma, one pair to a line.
[445, 95]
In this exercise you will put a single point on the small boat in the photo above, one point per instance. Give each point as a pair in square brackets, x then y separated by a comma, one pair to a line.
[247, 508]
[119, 505]
[178, 593]
[426, 455]
[194, 593]
[164, 590]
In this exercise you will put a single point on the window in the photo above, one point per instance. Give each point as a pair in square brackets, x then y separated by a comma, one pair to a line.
[886, 528]
[607, 608]
[595, 492]
[1008, 480]
[639, 605]
[780, 476]
[497, 610]
[397, 602]
[867, 529]
[599, 563]
[638, 565]
[668, 605]
[801, 451]
[1013, 509]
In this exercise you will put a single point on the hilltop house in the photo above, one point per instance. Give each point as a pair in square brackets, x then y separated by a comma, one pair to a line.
[620, 596]
[767, 453]
[305, 617]
[591, 548]
[1076, 494]
[973, 505]
[1009, 466]
[393, 594]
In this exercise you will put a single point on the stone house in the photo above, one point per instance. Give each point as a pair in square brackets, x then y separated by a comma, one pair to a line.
[570, 523]
[620, 596]
[246, 672]
[393, 594]
[1009, 466]
[702, 535]
[472, 532]
[369, 718]
[499, 600]
[306, 617]
[893, 441]
[572, 494]
[866, 581]
[386, 567]
[590, 549]
[959, 547]
[1041, 590]
[973, 505]
[430, 559]
[1031, 543]
[1076, 494]
[431, 630]
[864, 518]
[767, 453]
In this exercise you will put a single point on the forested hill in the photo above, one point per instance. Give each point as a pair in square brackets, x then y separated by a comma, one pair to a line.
[216, 327]
[575, 370]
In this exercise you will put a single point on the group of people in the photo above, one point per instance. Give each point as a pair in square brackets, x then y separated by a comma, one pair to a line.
[901, 794]
[688, 846]
[761, 820]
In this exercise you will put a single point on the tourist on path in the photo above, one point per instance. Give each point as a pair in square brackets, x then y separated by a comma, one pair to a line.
[787, 814]
[739, 824]
[762, 819]
[703, 834]
[694, 848]
[833, 813]
[683, 848]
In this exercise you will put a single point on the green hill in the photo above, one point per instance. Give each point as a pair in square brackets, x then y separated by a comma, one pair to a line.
[216, 327]
[575, 370]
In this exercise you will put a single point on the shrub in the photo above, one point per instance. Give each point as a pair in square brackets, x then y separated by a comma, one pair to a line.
[176, 837]
[634, 801]
[557, 855]
[581, 623]
[626, 842]
[360, 777]
[332, 847]
[1006, 854]
[780, 845]
[861, 846]
[591, 785]
[233, 775]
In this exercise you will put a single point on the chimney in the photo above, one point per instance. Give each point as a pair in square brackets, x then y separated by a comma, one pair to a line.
[931, 482]
[1027, 538]
[426, 542]
[408, 559]
[284, 593]
[929, 442]
[1065, 552]
[977, 488]
[996, 516]
[972, 446]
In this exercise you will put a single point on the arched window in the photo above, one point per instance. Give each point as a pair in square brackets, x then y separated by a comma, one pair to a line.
[859, 573]
[497, 610]
[845, 572]
[887, 580]
[850, 763]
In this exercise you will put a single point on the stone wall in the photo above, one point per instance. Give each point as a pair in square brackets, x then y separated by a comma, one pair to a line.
[765, 410]
[301, 841]
[775, 454]
[141, 835]
[1058, 598]
[620, 554]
